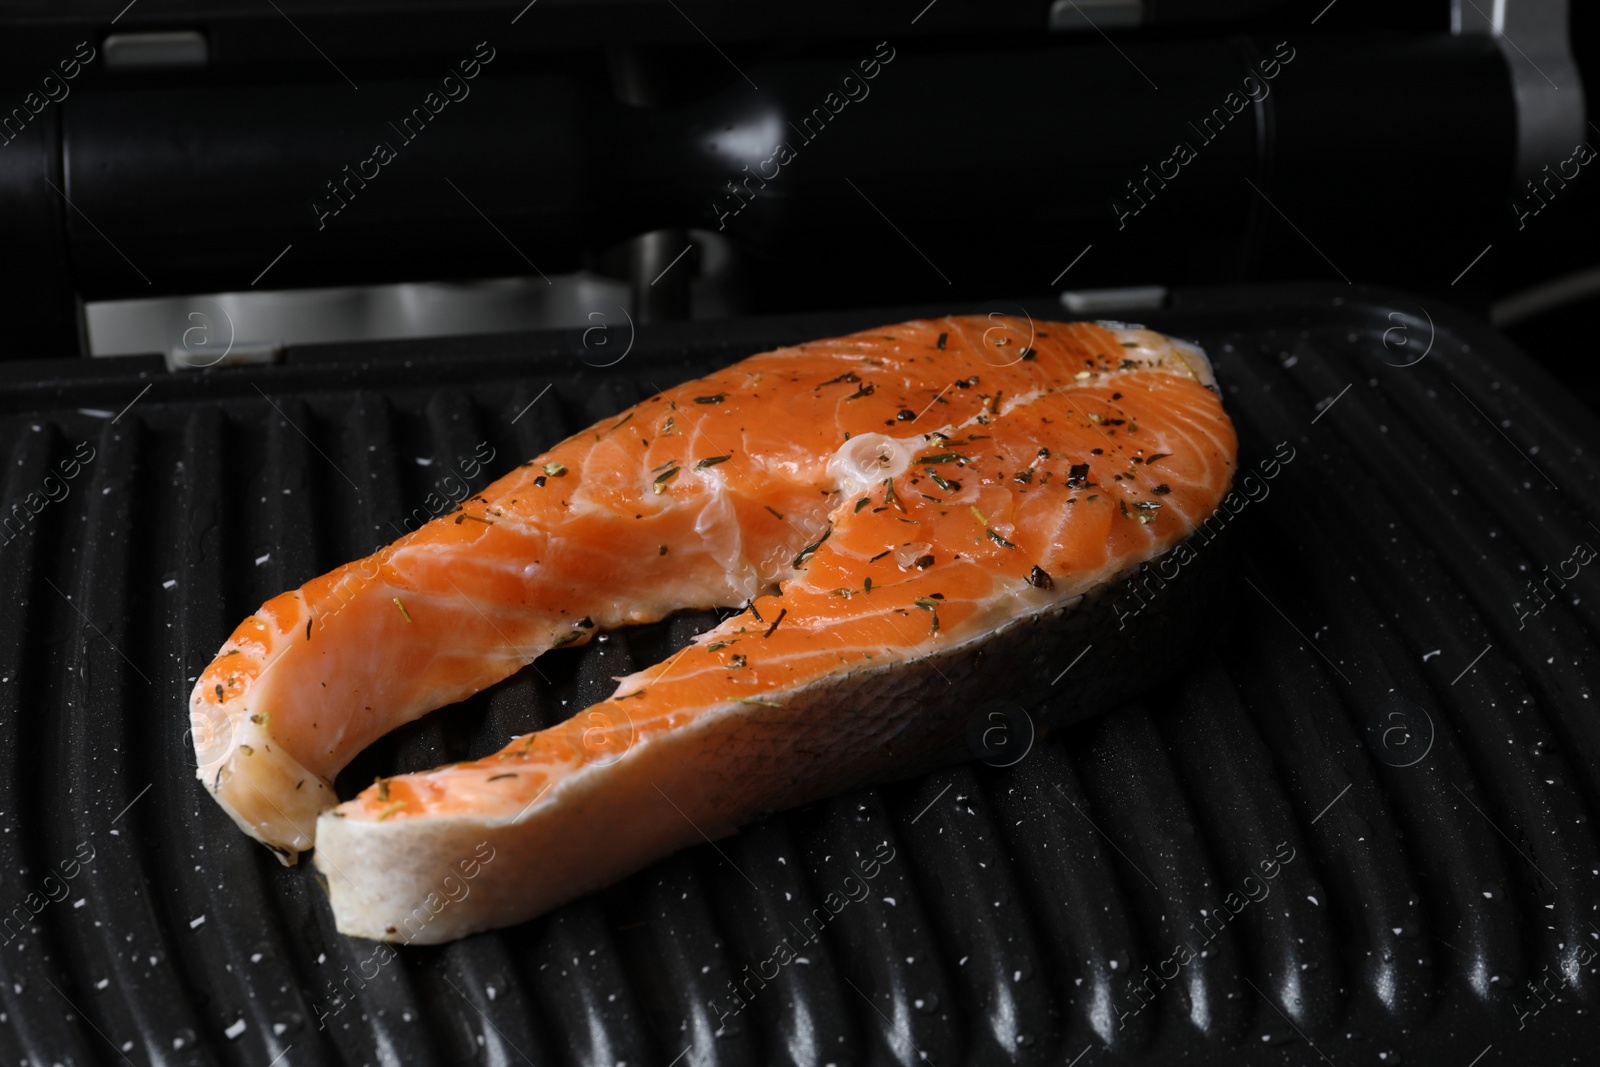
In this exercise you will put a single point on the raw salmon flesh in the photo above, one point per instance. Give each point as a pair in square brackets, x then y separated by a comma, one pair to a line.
[913, 519]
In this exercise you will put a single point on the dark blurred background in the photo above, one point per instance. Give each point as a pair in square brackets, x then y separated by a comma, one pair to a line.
[193, 178]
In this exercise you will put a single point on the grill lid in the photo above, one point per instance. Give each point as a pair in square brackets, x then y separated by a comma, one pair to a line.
[1353, 834]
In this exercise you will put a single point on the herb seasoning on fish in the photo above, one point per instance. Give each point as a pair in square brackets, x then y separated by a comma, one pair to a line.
[797, 521]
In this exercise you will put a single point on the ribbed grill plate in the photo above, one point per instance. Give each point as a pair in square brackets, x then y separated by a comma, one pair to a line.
[1372, 620]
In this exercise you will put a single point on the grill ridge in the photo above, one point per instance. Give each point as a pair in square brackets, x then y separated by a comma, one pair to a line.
[1024, 900]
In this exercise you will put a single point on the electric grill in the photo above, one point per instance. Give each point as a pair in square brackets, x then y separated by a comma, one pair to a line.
[1382, 775]
[1357, 831]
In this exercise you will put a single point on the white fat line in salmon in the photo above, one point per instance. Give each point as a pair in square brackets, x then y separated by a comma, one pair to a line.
[54, 89]
[53, 889]
[350, 585]
[809, 527]
[854, 89]
[755, 976]
[1184, 153]
[1212, 923]
[383, 952]
[55, 491]
[352, 582]
[1153, 576]
[410, 128]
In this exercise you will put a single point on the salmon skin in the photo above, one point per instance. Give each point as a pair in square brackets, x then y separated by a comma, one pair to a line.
[913, 519]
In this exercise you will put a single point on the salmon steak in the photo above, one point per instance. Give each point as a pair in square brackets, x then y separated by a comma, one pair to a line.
[908, 521]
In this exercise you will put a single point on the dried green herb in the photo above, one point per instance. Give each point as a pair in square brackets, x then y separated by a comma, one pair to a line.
[997, 539]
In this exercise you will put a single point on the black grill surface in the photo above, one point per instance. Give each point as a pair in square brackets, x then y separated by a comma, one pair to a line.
[1358, 833]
